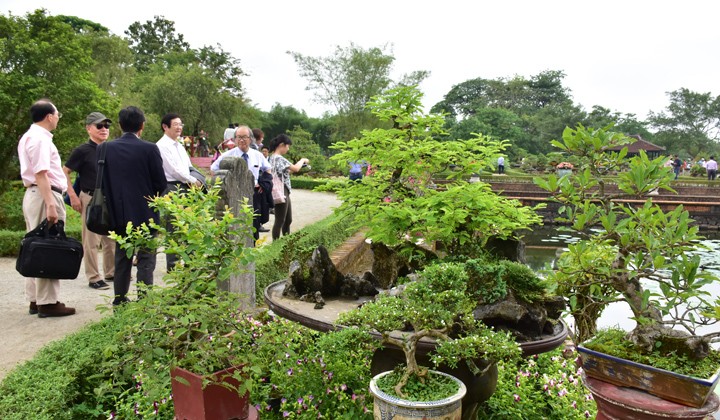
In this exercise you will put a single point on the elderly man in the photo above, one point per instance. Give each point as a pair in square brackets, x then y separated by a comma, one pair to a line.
[45, 181]
[83, 160]
[176, 165]
[257, 164]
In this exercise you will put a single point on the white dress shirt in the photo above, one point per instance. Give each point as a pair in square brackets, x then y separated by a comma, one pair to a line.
[176, 162]
[256, 161]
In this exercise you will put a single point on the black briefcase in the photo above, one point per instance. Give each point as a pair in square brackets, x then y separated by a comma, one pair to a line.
[46, 252]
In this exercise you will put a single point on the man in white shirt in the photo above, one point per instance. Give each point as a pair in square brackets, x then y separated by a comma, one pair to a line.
[176, 164]
[45, 182]
[256, 162]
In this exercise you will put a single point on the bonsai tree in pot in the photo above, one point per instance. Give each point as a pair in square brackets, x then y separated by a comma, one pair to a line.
[417, 189]
[418, 196]
[434, 306]
[639, 253]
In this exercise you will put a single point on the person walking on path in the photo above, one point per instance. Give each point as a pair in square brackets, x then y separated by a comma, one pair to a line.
[45, 182]
[677, 164]
[133, 175]
[83, 160]
[501, 165]
[711, 167]
[281, 167]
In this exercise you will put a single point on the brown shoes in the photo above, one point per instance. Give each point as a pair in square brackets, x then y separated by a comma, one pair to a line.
[54, 309]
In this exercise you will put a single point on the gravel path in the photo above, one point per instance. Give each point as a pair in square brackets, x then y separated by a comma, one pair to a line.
[24, 334]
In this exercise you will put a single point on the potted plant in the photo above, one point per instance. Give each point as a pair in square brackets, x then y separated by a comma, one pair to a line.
[637, 252]
[434, 306]
[191, 325]
[564, 168]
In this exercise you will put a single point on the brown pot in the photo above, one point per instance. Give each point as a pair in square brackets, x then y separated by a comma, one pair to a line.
[682, 389]
[621, 403]
[214, 401]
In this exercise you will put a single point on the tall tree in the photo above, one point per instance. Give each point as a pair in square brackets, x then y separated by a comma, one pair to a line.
[348, 79]
[541, 102]
[152, 39]
[42, 56]
[690, 123]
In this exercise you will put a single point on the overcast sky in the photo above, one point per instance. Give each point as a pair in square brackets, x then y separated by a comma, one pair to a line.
[623, 55]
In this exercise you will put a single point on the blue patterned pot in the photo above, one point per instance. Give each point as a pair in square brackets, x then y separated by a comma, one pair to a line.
[388, 407]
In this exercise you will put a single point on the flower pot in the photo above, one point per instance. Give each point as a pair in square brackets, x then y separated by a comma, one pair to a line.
[682, 389]
[390, 407]
[563, 172]
[214, 401]
[620, 403]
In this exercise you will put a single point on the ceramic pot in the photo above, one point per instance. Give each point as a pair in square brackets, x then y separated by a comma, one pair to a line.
[621, 403]
[388, 407]
[682, 389]
[214, 401]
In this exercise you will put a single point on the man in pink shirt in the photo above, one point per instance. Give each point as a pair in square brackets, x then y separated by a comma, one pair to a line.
[45, 181]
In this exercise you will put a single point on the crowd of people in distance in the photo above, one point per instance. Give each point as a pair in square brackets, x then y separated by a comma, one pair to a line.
[681, 167]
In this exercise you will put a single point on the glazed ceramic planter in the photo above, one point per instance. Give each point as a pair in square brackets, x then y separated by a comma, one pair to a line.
[390, 407]
[214, 401]
[682, 389]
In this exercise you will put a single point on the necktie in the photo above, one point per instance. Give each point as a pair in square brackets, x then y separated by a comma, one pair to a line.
[245, 156]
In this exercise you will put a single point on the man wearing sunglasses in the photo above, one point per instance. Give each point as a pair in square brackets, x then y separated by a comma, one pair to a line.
[83, 160]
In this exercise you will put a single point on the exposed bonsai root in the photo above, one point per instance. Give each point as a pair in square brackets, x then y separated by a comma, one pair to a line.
[679, 342]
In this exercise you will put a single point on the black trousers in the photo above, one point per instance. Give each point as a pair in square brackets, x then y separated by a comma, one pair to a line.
[123, 271]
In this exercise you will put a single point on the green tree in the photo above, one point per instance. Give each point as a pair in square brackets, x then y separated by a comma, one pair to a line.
[152, 39]
[194, 93]
[400, 202]
[42, 56]
[281, 119]
[348, 79]
[625, 123]
[304, 147]
[542, 102]
[691, 122]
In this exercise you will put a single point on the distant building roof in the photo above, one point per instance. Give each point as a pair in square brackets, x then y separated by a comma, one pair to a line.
[638, 145]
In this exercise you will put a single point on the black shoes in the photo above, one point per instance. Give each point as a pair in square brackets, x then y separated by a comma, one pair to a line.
[263, 229]
[54, 309]
[33, 308]
[99, 285]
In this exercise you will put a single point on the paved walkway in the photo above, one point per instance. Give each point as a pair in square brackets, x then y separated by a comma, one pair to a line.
[24, 334]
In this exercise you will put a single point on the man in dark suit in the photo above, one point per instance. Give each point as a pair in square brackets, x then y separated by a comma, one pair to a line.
[133, 174]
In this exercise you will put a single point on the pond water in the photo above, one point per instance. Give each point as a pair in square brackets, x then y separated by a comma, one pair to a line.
[544, 245]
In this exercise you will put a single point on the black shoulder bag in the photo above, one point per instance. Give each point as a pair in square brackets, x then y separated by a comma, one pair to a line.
[97, 215]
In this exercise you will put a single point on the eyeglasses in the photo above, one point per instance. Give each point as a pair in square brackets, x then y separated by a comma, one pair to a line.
[181, 125]
[102, 125]
[242, 137]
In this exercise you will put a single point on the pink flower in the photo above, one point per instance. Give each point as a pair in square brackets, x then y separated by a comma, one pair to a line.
[516, 397]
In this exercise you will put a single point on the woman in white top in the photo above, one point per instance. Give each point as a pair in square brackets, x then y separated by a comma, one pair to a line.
[281, 167]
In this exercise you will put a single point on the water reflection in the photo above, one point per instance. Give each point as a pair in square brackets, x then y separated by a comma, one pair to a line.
[545, 244]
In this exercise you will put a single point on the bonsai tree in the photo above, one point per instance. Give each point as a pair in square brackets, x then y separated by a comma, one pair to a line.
[418, 186]
[640, 255]
[435, 306]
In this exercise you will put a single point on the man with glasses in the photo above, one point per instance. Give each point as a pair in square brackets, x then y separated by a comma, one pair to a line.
[176, 165]
[83, 160]
[257, 164]
[45, 182]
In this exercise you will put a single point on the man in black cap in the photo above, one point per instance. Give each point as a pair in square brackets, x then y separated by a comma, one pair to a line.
[83, 160]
